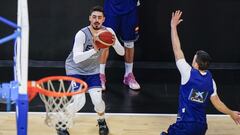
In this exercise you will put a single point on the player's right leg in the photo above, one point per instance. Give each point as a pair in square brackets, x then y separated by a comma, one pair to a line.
[62, 132]
[76, 105]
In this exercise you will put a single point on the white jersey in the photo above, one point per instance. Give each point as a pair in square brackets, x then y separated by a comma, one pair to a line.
[83, 59]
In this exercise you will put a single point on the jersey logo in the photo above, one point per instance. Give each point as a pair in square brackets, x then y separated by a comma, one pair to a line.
[197, 96]
[88, 47]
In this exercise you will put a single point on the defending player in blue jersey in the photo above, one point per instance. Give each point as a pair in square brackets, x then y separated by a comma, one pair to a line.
[196, 90]
[122, 17]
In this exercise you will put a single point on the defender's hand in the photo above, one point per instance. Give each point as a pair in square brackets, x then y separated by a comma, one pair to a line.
[176, 18]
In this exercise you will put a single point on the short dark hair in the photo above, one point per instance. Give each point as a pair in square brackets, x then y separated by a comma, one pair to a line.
[203, 59]
[97, 8]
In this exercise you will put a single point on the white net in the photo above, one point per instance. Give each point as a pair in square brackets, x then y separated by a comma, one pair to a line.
[60, 110]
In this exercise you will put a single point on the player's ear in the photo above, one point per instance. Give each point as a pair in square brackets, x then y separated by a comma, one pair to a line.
[103, 18]
[90, 18]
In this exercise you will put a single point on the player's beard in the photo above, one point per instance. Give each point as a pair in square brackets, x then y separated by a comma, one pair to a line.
[96, 26]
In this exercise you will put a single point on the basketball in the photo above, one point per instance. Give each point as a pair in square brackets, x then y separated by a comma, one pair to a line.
[104, 39]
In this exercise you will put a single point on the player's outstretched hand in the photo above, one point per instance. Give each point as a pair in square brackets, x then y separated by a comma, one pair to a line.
[176, 18]
[235, 115]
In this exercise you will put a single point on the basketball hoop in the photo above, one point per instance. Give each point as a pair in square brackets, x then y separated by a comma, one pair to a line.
[63, 96]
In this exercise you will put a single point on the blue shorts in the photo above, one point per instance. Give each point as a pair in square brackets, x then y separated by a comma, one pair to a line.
[93, 81]
[187, 128]
[125, 26]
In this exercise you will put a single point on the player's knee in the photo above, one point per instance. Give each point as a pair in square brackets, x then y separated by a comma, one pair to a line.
[100, 107]
[79, 101]
[97, 100]
[96, 97]
[129, 44]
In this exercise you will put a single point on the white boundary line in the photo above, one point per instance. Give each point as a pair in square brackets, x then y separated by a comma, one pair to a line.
[119, 114]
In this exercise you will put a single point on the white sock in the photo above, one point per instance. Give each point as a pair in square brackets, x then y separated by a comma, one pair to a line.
[128, 68]
[102, 68]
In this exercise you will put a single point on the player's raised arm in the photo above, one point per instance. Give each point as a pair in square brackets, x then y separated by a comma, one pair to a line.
[176, 19]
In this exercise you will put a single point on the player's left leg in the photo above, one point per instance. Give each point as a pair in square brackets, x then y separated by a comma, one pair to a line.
[95, 92]
[99, 107]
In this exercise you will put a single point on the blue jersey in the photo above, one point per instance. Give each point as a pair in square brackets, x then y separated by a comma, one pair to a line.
[119, 7]
[194, 97]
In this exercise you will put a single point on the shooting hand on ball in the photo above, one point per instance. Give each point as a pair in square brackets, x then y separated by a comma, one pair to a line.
[95, 47]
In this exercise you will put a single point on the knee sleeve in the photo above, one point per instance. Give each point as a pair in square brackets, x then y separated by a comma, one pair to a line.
[129, 44]
[96, 97]
[78, 102]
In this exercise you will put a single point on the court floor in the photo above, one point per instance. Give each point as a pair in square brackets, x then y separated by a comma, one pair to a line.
[119, 124]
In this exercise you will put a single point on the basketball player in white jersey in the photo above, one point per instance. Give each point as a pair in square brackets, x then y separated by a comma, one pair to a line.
[83, 62]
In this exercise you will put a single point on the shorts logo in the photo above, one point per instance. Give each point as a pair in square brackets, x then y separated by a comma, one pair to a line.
[197, 96]
[75, 86]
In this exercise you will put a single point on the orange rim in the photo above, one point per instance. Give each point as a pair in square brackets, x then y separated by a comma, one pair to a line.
[46, 92]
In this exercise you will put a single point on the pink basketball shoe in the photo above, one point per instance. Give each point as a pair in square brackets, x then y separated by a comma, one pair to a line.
[131, 81]
[103, 81]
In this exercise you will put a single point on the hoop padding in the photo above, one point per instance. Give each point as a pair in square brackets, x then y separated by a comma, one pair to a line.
[63, 96]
